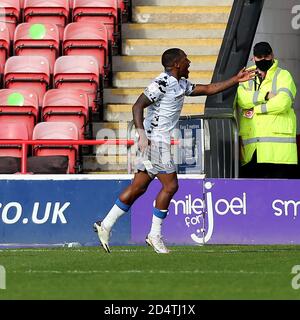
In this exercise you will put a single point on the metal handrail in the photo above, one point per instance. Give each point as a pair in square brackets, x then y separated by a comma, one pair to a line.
[60, 142]
[225, 116]
[129, 129]
[52, 142]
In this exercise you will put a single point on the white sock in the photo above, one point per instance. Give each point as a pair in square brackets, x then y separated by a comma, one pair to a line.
[111, 218]
[156, 226]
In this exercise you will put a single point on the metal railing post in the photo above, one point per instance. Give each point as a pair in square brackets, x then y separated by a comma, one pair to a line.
[24, 158]
[236, 147]
[129, 129]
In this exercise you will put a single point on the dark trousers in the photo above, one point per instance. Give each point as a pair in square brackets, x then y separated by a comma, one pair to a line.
[268, 170]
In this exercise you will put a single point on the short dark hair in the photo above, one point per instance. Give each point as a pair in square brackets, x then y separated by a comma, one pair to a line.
[262, 49]
[170, 56]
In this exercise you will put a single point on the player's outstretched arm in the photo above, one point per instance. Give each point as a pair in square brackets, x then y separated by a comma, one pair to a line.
[213, 88]
[138, 118]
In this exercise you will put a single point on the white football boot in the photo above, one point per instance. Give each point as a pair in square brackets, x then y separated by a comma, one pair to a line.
[156, 242]
[103, 235]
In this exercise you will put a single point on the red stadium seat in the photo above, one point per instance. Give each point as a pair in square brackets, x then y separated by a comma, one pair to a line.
[122, 5]
[4, 43]
[71, 4]
[12, 131]
[10, 14]
[57, 131]
[104, 11]
[19, 106]
[1, 75]
[89, 39]
[78, 72]
[28, 72]
[44, 11]
[67, 105]
[37, 39]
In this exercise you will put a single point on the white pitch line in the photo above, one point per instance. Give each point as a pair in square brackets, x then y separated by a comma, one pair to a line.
[143, 251]
[68, 249]
[146, 272]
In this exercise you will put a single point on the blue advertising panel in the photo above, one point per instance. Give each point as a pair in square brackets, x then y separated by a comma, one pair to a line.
[58, 211]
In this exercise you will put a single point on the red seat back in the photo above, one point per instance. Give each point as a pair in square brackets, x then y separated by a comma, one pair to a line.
[80, 73]
[71, 4]
[37, 39]
[4, 43]
[19, 106]
[12, 131]
[89, 39]
[10, 14]
[104, 11]
[121, 5]
[67, 105]
[29, 72]
[1, 75]
[44, 11]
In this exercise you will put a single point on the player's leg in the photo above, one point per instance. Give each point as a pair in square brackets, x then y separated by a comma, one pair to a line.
[138, 187]
[169, 188]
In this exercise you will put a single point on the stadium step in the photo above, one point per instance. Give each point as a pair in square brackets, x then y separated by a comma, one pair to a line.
[130, 95]
[157, 46]
[174, 30]
[181, 14]
[153, 63]
[180, 2]
[142, 79]
[110, 129]
[196, 26]
[103, 163]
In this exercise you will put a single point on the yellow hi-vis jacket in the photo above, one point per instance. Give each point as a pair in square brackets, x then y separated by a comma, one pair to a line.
[271, 131]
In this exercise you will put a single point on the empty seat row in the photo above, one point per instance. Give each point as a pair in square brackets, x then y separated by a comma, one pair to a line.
[11, 131]
[70, 72]
[80, 38]
[58, 12]
[58, 105]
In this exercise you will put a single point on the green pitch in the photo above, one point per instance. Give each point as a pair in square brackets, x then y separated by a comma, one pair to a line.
[132, 273]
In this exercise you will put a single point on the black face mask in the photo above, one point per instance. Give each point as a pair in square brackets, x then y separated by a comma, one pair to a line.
[264, 65]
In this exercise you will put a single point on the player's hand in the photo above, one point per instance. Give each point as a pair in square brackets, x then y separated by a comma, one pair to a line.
[245, 75]
[143, 142]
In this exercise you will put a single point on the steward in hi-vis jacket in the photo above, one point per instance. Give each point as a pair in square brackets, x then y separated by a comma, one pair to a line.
[267, 120]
